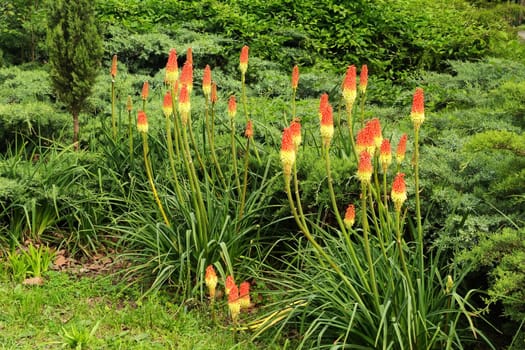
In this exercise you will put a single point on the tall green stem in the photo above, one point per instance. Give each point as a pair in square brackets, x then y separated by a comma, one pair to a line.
[113, 117]
[150, 178]
[366, 240]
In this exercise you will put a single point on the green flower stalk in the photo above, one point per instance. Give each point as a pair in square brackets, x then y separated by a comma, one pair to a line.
[142, 127]
[129, 107]
[113, 76]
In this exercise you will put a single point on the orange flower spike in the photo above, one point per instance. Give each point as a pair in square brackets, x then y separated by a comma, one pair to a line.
[349, 219]
[248, 133]
[349, 85]
[243, 60]
[206, 81]
[167, 106]
[323, 102]
[228, 284]
[172, 68]
[214, 93]
[244, 295]
[287, 153]
[399, 192]
[363, 79]
[186, 76]
[142, 122]
[364, 168]
[189, 56]
[327, 125]
[234, 303]
[375, 131]
[129, 104]
[401, 149]
[365, 140]
[211, 281]
[295, 128]
[232, 107]
[145, 91]
[418, 109]
[295, 77]
[114, 67]
[385, 155]
[184, 104]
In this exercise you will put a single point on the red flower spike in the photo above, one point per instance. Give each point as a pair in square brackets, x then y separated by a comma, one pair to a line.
[145, 91]
[244, 295]
[349, 216]
[349, 85]
[375, 131]
[399, 192]
[206, 81]
[295, 77]
[327, 125]
[323, 102]
[287, 153]
[189, 56]
[418, 108]
[249, 129]
[364, 168]
[234, 303]
[213, 93]
[295, 128]
[167, 106]
[385, 155]
[142, 122]
[114, 67]
[184, 104]
[232, 107]
[211, 280]
[401, 149]
[172, 68]
[243, 60]
[363, 79]
[186, 76]
[228, 284]
[365, 140]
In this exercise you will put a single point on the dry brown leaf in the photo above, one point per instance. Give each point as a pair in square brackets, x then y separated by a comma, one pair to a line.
[33, 281]
[60, 261]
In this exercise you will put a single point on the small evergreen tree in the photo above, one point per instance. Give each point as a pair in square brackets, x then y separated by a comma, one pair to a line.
[75, 48]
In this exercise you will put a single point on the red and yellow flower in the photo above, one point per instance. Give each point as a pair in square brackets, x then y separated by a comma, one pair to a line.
[327, 125]
[211, 281]
[287, 153]
[232, 107]
[363, 79]
[244, 295]
[295, 77]
[385, 155]
[172, 68]
[167, 106]
[401, 149]
[243, 60]
[142, 122]
[418, 109]
[364, 167]
[206, 81]
[399, 192]
[349, 219]
[349, 86]
[184, 104]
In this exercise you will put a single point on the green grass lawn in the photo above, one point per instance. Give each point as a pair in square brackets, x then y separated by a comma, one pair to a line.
[93, 313]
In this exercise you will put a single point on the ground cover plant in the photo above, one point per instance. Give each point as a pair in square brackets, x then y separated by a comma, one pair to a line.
[184, 169]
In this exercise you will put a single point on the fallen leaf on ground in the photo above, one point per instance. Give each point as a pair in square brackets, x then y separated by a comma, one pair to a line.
[33, 281]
